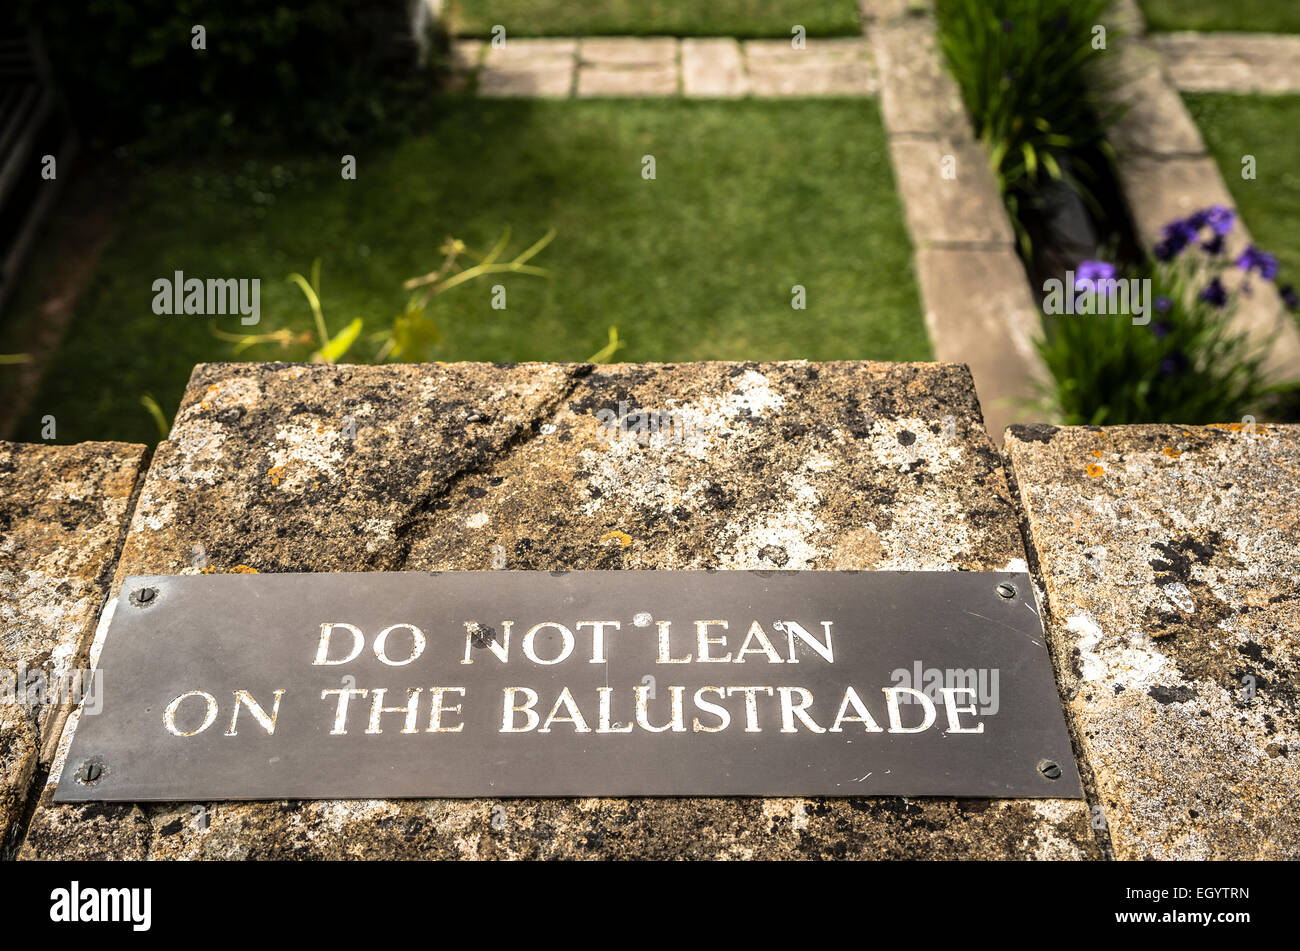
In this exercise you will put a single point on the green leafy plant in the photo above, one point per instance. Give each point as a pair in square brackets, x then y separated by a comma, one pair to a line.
[604, 354]
[1184, 364]
[1029, 77]
[156, 414]
[414, 335]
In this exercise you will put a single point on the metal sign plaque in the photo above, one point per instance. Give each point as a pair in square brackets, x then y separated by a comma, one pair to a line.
[580, 683]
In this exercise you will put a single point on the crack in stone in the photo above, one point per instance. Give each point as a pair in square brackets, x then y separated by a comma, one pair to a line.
[404, 533]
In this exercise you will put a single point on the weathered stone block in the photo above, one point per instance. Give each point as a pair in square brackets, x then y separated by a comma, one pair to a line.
[788, 465]
[1169, 556]
[63, 515]
[831, 67]
[19, 750]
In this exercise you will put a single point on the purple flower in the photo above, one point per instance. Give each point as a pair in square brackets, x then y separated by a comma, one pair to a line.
[1220, 219]
[1161, 328]
[1213, 245]
[1178, 234]
[1289, 297]
[1090, 272]
[1162, 304]
[1215, 293]
[1253, 259]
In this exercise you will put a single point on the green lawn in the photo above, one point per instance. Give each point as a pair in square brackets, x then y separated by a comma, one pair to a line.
[644, 17]
[1265, 127]
[1263, 16]
[750, 198]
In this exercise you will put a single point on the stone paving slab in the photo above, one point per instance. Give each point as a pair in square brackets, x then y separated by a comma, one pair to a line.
[979, 311]
[713, 69]
[629, 51]
[961, 210]
[823, 67]
[844, 49]
[1230, 62]
[526, 68]
[811, 78]
[460, 466]
[1170, 556]
[917, 94]
[544, 81]
[627, 82]
[1155, 121]
[530, 51]
[63, 514]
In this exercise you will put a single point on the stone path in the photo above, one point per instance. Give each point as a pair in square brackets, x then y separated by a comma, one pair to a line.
[624, 67]
[1166, 172]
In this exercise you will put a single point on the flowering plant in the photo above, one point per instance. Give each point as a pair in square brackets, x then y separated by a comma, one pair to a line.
[1184, 363]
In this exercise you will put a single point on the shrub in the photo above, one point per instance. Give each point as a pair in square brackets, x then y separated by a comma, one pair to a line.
[1183, 366]
[273, 71]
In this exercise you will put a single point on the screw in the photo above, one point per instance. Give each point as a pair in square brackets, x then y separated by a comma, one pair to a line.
[1007, 590]
[1049, 769]
[145, 595]
[90, 772]
[480, 635]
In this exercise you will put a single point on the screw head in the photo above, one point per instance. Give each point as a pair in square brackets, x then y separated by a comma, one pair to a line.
[1049, 769]
[90, 772]
[145, 595]
[1006, 590]
[481, 635]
